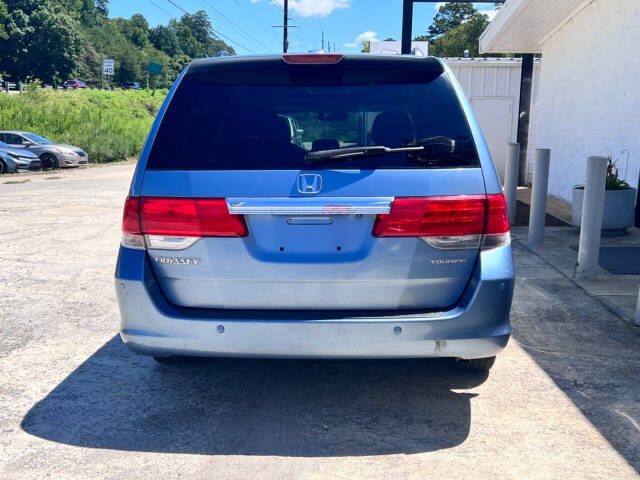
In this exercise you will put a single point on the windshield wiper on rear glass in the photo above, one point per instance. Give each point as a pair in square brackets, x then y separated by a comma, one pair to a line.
[440, 150]
[337, 154]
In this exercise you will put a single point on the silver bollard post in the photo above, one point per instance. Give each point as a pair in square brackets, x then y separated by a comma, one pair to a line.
[539, 196]
[511, 179]
[637, 322]
[591, 223]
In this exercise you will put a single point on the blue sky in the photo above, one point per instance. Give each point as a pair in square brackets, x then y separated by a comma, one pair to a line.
[248, 22]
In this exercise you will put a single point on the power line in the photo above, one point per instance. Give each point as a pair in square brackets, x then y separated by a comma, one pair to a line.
[214, 31]
[303, 43]
[256, 18]
[160, 8]
[178, 6]
[237, 27]
[259, 19]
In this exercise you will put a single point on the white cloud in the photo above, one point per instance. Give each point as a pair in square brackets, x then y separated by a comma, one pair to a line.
[437, 6]
[363, 37]
[313, 8]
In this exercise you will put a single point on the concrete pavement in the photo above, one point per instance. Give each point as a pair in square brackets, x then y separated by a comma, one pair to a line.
[563, 401]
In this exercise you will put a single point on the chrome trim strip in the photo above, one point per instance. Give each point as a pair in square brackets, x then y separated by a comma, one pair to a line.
[310, 206]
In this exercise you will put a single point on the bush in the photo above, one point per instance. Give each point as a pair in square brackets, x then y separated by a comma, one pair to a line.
[109, 125]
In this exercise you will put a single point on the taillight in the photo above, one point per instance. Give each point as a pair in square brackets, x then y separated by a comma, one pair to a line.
[312, 58]
[448, 222]
[496, 233]
[190, 217]
[177, 223]
[131, 231]
[497, 217]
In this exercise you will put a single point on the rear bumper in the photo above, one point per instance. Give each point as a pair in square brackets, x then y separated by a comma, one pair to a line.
[478, 326]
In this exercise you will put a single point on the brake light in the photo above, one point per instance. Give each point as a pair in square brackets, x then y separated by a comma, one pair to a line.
[190, 217]
[176, 223]
[448, 222]
[312, 58]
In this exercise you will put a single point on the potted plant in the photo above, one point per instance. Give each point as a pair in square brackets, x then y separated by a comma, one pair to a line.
[619, 203]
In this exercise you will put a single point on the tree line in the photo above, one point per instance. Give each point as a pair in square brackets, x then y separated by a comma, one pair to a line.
[57, 40]
[456, 27]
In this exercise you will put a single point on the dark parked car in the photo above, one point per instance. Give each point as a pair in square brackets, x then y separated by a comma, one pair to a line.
[74, 84]
[383, 233]
[131, 86]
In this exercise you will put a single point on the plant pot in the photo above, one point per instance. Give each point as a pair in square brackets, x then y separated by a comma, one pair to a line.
[618, 213]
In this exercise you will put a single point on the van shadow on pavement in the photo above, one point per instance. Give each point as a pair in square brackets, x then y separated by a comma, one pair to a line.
[119, 400]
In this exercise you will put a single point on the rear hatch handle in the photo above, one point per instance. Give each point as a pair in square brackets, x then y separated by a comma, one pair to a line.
[310, 206]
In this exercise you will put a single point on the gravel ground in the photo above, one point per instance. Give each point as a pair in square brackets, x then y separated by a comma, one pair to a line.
[561, 402]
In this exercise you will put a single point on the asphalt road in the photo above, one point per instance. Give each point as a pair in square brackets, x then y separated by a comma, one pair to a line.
[561, 402]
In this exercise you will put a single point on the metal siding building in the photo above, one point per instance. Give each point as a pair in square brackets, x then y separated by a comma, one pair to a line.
[492, 85]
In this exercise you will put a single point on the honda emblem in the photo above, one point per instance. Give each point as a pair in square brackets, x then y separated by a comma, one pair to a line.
[309, 183]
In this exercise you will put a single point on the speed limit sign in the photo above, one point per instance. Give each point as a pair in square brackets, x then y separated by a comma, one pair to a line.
[107, 66]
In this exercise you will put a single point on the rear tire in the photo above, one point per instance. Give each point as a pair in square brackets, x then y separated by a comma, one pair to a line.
[476, 364]
[3, 167]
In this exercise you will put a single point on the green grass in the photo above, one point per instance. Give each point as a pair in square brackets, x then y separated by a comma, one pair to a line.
[109, 125]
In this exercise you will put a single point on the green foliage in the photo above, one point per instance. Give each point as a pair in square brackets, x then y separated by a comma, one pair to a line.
[613, 181]
[449, 16]
[42, 41]
[55, 40]
[456, 27]
[3, 18]
[110, 126]
[465, 36]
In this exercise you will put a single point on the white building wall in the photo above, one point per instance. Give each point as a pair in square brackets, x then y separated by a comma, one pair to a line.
[589, 101]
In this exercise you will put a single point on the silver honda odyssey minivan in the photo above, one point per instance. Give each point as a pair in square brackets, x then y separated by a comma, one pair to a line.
[381, 232]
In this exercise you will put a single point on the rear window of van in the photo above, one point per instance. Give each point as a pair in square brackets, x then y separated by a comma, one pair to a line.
[251, 126]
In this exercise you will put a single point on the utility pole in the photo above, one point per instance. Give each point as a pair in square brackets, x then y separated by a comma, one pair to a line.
[285, 27]
[322, 40]
[101, 69]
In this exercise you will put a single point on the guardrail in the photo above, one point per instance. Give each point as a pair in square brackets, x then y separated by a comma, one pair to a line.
[19, 87]
[13, 86]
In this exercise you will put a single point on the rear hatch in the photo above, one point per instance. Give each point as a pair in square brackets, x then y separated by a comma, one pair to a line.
[242, 212]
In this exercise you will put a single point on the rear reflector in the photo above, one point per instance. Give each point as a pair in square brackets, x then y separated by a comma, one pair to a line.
[173, 223]
[312, 58]
[447, 222]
